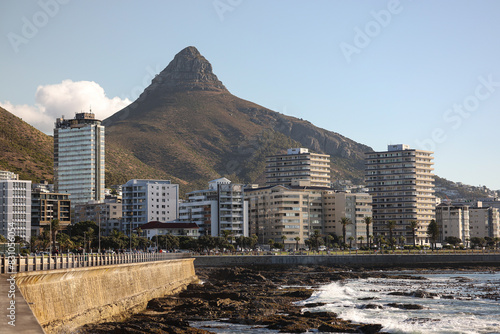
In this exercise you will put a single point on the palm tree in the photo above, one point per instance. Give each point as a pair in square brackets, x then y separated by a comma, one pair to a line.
[382, 241]
[402, 240]
[368, 221]
[226, 234]
[255, 239]
[271, 243]
[330, 239]
[283, 238]
[361, 238]
[433, 232]
[65, 241]
[315, 239]
[351, 239]
[90, 236]
[44, 239]
[391, 224]
[344, 221]
[497, 241]
[414, 224]
[297, 239]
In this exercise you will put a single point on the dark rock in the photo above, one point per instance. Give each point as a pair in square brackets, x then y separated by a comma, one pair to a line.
[336, 328]
[417, 294]
[371, 306]
[368, 298]
[314, 304]
[308, 314]
[190, 71]
[406, 306]
[370, 328]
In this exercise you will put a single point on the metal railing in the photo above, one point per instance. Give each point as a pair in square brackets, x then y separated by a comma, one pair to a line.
[18, 264]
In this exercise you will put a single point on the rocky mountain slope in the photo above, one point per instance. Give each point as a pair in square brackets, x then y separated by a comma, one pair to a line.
[187, 126]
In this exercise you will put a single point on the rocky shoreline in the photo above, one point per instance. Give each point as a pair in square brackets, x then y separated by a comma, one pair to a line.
[254, 296]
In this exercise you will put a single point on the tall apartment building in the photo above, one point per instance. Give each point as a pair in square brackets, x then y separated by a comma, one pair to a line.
[79, 158]
[453, 221]
[401, 183]
[147, 200]
[355, 207]
[298, 165]
[218, 208]
[46, 206]
[15, 208]
[484, 222]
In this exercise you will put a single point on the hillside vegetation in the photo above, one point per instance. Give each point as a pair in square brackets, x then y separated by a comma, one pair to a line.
[25, 150]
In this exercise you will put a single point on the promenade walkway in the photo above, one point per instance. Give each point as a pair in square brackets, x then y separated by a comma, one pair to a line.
[20, 314]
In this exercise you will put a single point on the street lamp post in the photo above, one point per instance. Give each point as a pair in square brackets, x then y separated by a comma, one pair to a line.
[99, 222]
[50, 237]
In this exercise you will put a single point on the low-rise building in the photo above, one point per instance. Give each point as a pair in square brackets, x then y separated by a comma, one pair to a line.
[107, 215]
[47, 206]
[353, 206]
[175, 228]
[453, 221]
[484, 222]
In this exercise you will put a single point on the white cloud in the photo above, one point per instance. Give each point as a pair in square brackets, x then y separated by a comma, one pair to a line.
[66, 99]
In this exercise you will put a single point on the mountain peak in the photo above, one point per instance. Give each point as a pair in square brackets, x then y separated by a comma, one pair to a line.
[188, 71]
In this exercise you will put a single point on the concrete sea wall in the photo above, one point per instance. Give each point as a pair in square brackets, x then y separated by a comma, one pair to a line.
[350, 260]
[63, 300]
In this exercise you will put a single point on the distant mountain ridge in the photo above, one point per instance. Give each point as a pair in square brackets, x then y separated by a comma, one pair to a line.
[187, 125]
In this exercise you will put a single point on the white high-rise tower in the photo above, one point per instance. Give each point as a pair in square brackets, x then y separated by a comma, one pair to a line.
[79, 158]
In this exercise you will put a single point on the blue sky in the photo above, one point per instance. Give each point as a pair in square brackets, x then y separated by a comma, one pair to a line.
[423, 73]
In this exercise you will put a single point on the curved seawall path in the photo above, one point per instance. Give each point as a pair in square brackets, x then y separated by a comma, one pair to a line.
[65, 299]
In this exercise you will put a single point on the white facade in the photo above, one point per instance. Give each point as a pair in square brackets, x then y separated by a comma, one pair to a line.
[148, 200]
[298, 165]
[15, 209]
[178, 229]
[220, 207]
[79, 158]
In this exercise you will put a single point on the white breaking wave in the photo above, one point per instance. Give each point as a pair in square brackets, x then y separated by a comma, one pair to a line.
[366, 301]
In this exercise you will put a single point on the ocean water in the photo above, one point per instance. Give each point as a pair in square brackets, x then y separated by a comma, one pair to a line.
[466, 303]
